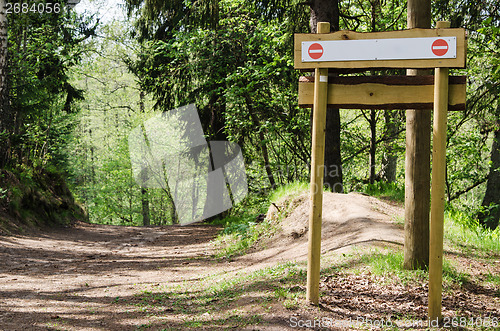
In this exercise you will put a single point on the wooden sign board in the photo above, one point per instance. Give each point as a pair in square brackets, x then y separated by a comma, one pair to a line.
[384, 92]
[415, 48]
[441, 48]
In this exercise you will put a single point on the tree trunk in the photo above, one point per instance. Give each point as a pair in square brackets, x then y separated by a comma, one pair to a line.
[328, 11]
[263, 146]
[142, 107]
[333, 160]
[92, 160]
[5, 114]
[265, 155]
[417, 178]
[145, 207]
[490, 217]
[170, 197]
[373, 144]
[144, 191]
[390, 157]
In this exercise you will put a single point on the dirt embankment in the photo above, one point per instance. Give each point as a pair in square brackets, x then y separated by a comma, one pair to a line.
[34, 199]
[348, 219]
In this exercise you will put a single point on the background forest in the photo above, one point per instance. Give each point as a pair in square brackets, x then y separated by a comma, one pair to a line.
[74, 86]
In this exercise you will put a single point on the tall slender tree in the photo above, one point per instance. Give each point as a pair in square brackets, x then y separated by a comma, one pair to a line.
[390, 156]
[144, 190]
[5, 115]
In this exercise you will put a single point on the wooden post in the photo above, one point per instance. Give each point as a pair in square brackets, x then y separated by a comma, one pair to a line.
[317, 171]
[437, 188]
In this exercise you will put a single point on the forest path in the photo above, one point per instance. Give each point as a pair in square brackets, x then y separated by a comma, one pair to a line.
[93, 277]
[78, 272]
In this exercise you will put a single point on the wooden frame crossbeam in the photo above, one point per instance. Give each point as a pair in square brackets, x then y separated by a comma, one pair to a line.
[383, 92]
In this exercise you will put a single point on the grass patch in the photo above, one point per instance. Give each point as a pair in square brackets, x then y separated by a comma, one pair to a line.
[399, 220]
[221, 300]
[240, 235]
[452, 276]
[379, 266]
[293, 189]
[465, 232]
[383, 190]
[228, 300]
[242, 231]
[389, 262]
[494, 279]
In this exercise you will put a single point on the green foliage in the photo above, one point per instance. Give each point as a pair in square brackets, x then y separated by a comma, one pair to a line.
[100, 169]
[238, 69]
[38, 199]
[290, 190]
[391, 191]
[240, 75]
[41, 50]
[252, 205]
[244, 227]
[241, 229]
[238, 226]
[38, 115]
[464, 230]
[466, 159]
[3, 193]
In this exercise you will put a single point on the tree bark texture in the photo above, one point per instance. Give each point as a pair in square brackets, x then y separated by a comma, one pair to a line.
[5, 114]
[328, 11]
[418, 147]
[373, 144]
[390, 157]
[491, 215]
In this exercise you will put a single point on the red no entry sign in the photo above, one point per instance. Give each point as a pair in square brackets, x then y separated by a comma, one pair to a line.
[439, 47]
[315, 51]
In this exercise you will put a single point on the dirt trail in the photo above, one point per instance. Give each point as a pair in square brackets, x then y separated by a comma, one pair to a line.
[72, 272]
[76, 274]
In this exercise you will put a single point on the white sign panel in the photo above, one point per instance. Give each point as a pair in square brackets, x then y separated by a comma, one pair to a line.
[380, 49]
